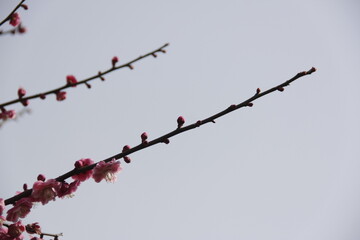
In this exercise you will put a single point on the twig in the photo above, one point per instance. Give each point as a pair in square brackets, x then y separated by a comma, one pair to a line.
[13, 11]
[85, 81]
[165, 138]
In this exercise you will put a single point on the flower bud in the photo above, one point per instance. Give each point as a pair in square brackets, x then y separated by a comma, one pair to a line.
[281, 89]
[180, 121]
[127, 159]
[114, 60]
[126, 148]
[144, 136]
[25, 102]
[41, 177]
[21, 92]
[42, 96]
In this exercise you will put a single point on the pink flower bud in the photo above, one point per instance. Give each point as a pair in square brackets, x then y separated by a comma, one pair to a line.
[24, 6]
[15, 19]
[127, 159]
[131, 67]
[250, 104]
[22, 29]
[25, 187]
[126, 148]
[281, 89]
[144, 137]
[71, 80]
[180, 121]
[258, 90]
[60, 96]
[42, 96]
[166, 141]
[25, 102]
[114, 60]
[21, 92]
[41, 177]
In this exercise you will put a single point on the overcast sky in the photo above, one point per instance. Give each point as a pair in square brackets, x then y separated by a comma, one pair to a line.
[287, 168]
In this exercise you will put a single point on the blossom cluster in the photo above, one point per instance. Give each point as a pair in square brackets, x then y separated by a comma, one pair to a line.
[44, 191]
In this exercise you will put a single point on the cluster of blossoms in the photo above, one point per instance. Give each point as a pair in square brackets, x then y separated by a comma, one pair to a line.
[45, 191]
[7, 114]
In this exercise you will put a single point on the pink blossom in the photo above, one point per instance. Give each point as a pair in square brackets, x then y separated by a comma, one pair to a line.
[15, 230]
[84, 175]
[20, 209]
[15, 19]
[33, 228]
[71, 80]
[45, 191]
[60, 96]
[11, 114]
[2, 206]
[67, 189]
[106, 171]
[8, 114]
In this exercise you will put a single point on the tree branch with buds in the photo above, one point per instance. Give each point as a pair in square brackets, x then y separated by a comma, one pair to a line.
[83, 168]
[9, 17]
[72, 82]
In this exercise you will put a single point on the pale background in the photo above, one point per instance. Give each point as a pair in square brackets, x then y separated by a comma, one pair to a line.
[288, 168]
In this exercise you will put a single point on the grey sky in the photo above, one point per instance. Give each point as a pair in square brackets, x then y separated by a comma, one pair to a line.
[288, 168]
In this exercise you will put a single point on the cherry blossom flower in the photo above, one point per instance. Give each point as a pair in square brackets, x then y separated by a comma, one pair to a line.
[84, 175]
[60, 96]
[106, 170]
[15, 19]
[33, 228]
[67, 189]
[20, 209]
[45, 191]
[15, 230]
[71, 80]
[8, 114]
[2, 206]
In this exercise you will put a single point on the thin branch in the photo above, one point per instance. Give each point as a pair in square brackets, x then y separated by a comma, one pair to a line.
[13, 11]
[85, 81]
[165, 138]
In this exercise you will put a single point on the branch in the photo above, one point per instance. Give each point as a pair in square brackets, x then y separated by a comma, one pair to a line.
[165, 138]
[13, 11]
[85, 81]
